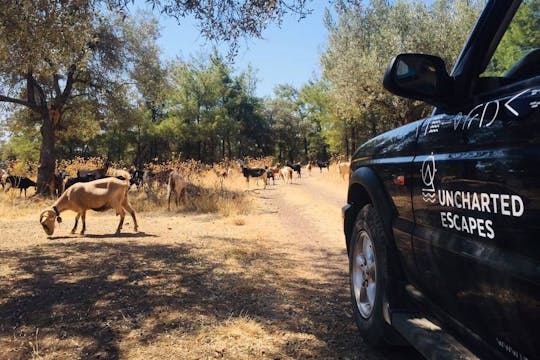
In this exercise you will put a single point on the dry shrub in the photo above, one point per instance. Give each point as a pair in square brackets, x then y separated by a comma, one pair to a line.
[238, 221]
[20, 168]
[71, 166]
[259, 162]
[208, 190]
[12, 205]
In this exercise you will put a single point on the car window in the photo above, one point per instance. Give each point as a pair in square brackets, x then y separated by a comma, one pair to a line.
[517, 56]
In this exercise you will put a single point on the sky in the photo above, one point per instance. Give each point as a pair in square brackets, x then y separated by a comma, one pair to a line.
[288, 54]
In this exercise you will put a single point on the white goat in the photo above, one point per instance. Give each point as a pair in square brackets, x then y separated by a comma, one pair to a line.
[178, 186]
[98, 195]
[286, 174]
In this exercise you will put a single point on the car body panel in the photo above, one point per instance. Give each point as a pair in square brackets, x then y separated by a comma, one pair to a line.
[466, 217]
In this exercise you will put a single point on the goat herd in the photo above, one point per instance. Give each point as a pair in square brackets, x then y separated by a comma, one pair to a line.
[107, 188]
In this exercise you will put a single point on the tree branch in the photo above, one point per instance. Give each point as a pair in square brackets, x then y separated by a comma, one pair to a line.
[62, 99]
[30, 95]
[8, 99]
[42, 95]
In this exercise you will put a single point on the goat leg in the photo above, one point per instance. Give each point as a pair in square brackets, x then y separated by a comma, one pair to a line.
[122, 214]
[130, 210]
[76, 222]
[83, 216]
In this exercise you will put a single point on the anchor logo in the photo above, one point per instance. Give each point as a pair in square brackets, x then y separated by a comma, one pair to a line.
[428, 177]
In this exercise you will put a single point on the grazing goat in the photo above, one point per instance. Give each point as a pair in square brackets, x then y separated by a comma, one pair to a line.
[19, 182]
[178, 186]
[323, 164]
[254, 173]
[98, 195]
[286, 174]
[296, 167]
[344, 169]
[275, 170]
[88, 178]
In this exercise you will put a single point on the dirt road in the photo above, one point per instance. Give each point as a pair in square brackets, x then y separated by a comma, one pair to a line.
[271, 284]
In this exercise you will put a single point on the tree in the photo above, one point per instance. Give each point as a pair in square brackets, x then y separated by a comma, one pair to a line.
[284, 118]
[52, 52]
[522, 36]
[211, 114]
[315, 107]
[365, 37]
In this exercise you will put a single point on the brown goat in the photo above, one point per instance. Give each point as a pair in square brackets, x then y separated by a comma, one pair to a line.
[98, 195]
[178, 186]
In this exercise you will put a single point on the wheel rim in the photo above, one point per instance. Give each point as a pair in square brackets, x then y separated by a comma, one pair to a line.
[364, 279]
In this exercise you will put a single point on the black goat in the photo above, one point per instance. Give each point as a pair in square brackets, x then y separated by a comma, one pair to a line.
[19, 182]
[78, 179]
[88, 178]
[255, 173]
[136, 177]
[323, 164]
[95, 173]
[296, 167]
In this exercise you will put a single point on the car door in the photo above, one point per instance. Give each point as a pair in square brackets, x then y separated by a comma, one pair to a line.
[476, 204]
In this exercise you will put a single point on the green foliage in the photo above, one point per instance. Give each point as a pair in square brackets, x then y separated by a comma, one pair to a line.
[125, 104]
[21, 147]
[522, 35]
[211, 114]
[363, 40]
[23, 142]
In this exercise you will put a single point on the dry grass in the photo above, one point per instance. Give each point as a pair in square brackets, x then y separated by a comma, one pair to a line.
[188, 288]
[257, 284]
[13, 205]
[208, 192]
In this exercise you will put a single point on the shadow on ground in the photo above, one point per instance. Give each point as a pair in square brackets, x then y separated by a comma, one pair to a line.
[82, 299]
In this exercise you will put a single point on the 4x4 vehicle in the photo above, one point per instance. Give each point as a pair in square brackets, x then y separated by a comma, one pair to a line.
[442, 221]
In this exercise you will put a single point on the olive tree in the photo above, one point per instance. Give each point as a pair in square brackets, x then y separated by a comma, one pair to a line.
[52, 52]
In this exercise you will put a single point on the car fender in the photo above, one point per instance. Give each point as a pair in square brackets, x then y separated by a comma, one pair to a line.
[366, 187]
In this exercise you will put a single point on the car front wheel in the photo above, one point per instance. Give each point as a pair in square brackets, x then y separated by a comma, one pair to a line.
[368, 276]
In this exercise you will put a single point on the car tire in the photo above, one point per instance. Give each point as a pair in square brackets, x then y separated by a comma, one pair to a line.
[368, 274]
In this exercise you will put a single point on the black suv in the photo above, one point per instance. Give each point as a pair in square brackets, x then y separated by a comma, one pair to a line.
[443, 216]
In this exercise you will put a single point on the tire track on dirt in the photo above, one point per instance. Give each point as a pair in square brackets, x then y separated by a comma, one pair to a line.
[310, 211]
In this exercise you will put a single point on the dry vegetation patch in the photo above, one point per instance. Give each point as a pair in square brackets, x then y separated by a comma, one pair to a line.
[190, 285]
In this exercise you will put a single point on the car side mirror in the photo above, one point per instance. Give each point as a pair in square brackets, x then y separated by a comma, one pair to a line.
[420, 77]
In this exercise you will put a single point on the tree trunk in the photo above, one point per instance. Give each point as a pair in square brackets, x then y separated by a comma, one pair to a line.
[306, 148]
[47, 155]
